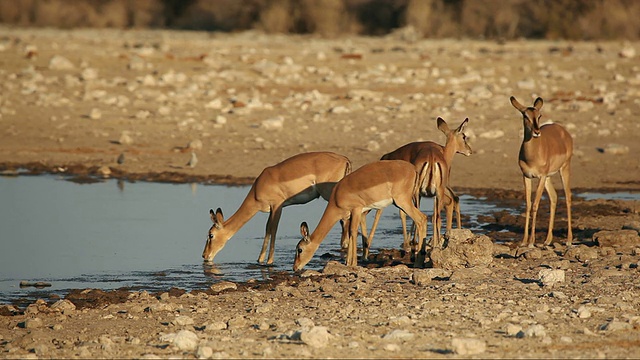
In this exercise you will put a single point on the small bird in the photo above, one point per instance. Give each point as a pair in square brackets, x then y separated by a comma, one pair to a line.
[193, 161]
[120, 159]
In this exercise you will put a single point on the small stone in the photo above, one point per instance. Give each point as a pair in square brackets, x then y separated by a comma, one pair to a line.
[104, 171]
[237, 322]
[627, 52]
[204, 352]
[373, 146]
[339, 110]
[513, 329]
[616, 149]
[535, 331]
[63, 305]
[216, 325]
[583, 312]
[125, 138]
[220, 120]
[317, 336]
[182, 321]
[195, 144]
[398, 334]
[549, 277]
[305, 322]
[276, 123]
[468, 346]
[186, 340]
[616, 325]
[223, 285]
[58, 62]
[89, 74]
[33, 323]
[391, 347]
[95, 114]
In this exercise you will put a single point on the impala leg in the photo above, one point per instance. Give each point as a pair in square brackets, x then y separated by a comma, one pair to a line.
[437, 219]
[366, 243]
[406, 244]
[272, 228]
[352, 251]
[456, 206]
[527, 214]
[449, 208]
[267, 236]
[534, 209]
[565, 175]
[553, 201]
[344, 236]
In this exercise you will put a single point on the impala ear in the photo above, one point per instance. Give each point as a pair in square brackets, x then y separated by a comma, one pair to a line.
[217, 218]
[516, 104]
[304, 231]
[442, 125]
[538, 103]
[462, 126]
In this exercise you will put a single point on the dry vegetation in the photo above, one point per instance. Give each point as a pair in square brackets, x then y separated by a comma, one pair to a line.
[499, 19]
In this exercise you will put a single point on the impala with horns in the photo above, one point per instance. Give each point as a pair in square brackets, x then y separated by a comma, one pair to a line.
[546, 149]
[296, 180]
[373, 186]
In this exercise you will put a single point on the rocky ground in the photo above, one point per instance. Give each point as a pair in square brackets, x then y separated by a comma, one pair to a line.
[188, 106]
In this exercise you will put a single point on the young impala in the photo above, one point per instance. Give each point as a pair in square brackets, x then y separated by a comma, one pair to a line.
[373, 186]
[441, 158]
[296, 180]
[546, 149]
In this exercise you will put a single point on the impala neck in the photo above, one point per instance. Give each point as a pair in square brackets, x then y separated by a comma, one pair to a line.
[246, 211]
[330, 217]
[449, 150]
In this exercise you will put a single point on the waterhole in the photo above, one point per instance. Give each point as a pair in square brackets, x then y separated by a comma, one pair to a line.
[150, 236]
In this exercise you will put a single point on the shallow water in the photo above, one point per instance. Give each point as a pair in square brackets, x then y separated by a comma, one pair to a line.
[150, 236]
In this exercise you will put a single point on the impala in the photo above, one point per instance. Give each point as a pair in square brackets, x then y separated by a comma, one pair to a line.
[296, 180]
[545, 150]
[373, 186]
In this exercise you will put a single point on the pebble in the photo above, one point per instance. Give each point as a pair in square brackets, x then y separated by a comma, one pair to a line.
[182, 320]
[125, 138]
[468, 346]
[63, 305]
[33, 323]
[276, 123]
[204, 352]
[186, 340]
[492, 134]
[536, 330]
[216, 325]
[616, 325]
[513, 329]
[223, 285]
[398, 334]
[615, 149]
[59, 62]
[317, 337]
[95, 114]
[550, 277]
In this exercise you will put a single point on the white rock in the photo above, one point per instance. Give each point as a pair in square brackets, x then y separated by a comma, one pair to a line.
[216, 325]
[373, 146]
[204, 352]
[125, 138]
[339, 110]
[468, 346]
[583, 312]
[398, 334]
[89, 74]
[513, 329]
[182, 320]
[221, 120]
[58, 62]
[317, 336]
[616, 149]
[526, 84]
[183, 339]
[305, 322]
[627, 52]
[63, 305]
[276, 123]
[536, 330]
[95, 114]
[549, 277]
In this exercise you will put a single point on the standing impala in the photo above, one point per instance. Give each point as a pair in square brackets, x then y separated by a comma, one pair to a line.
[421, 152]
[373, 186]
[546, 149]
[296, 180]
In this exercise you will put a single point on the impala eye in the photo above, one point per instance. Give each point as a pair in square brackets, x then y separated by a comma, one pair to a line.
[299, 250]
[210, 236]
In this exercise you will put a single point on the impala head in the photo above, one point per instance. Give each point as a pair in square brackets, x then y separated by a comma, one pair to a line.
[216, 237]
[456, 137]
[305, 248]
[531, 115]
